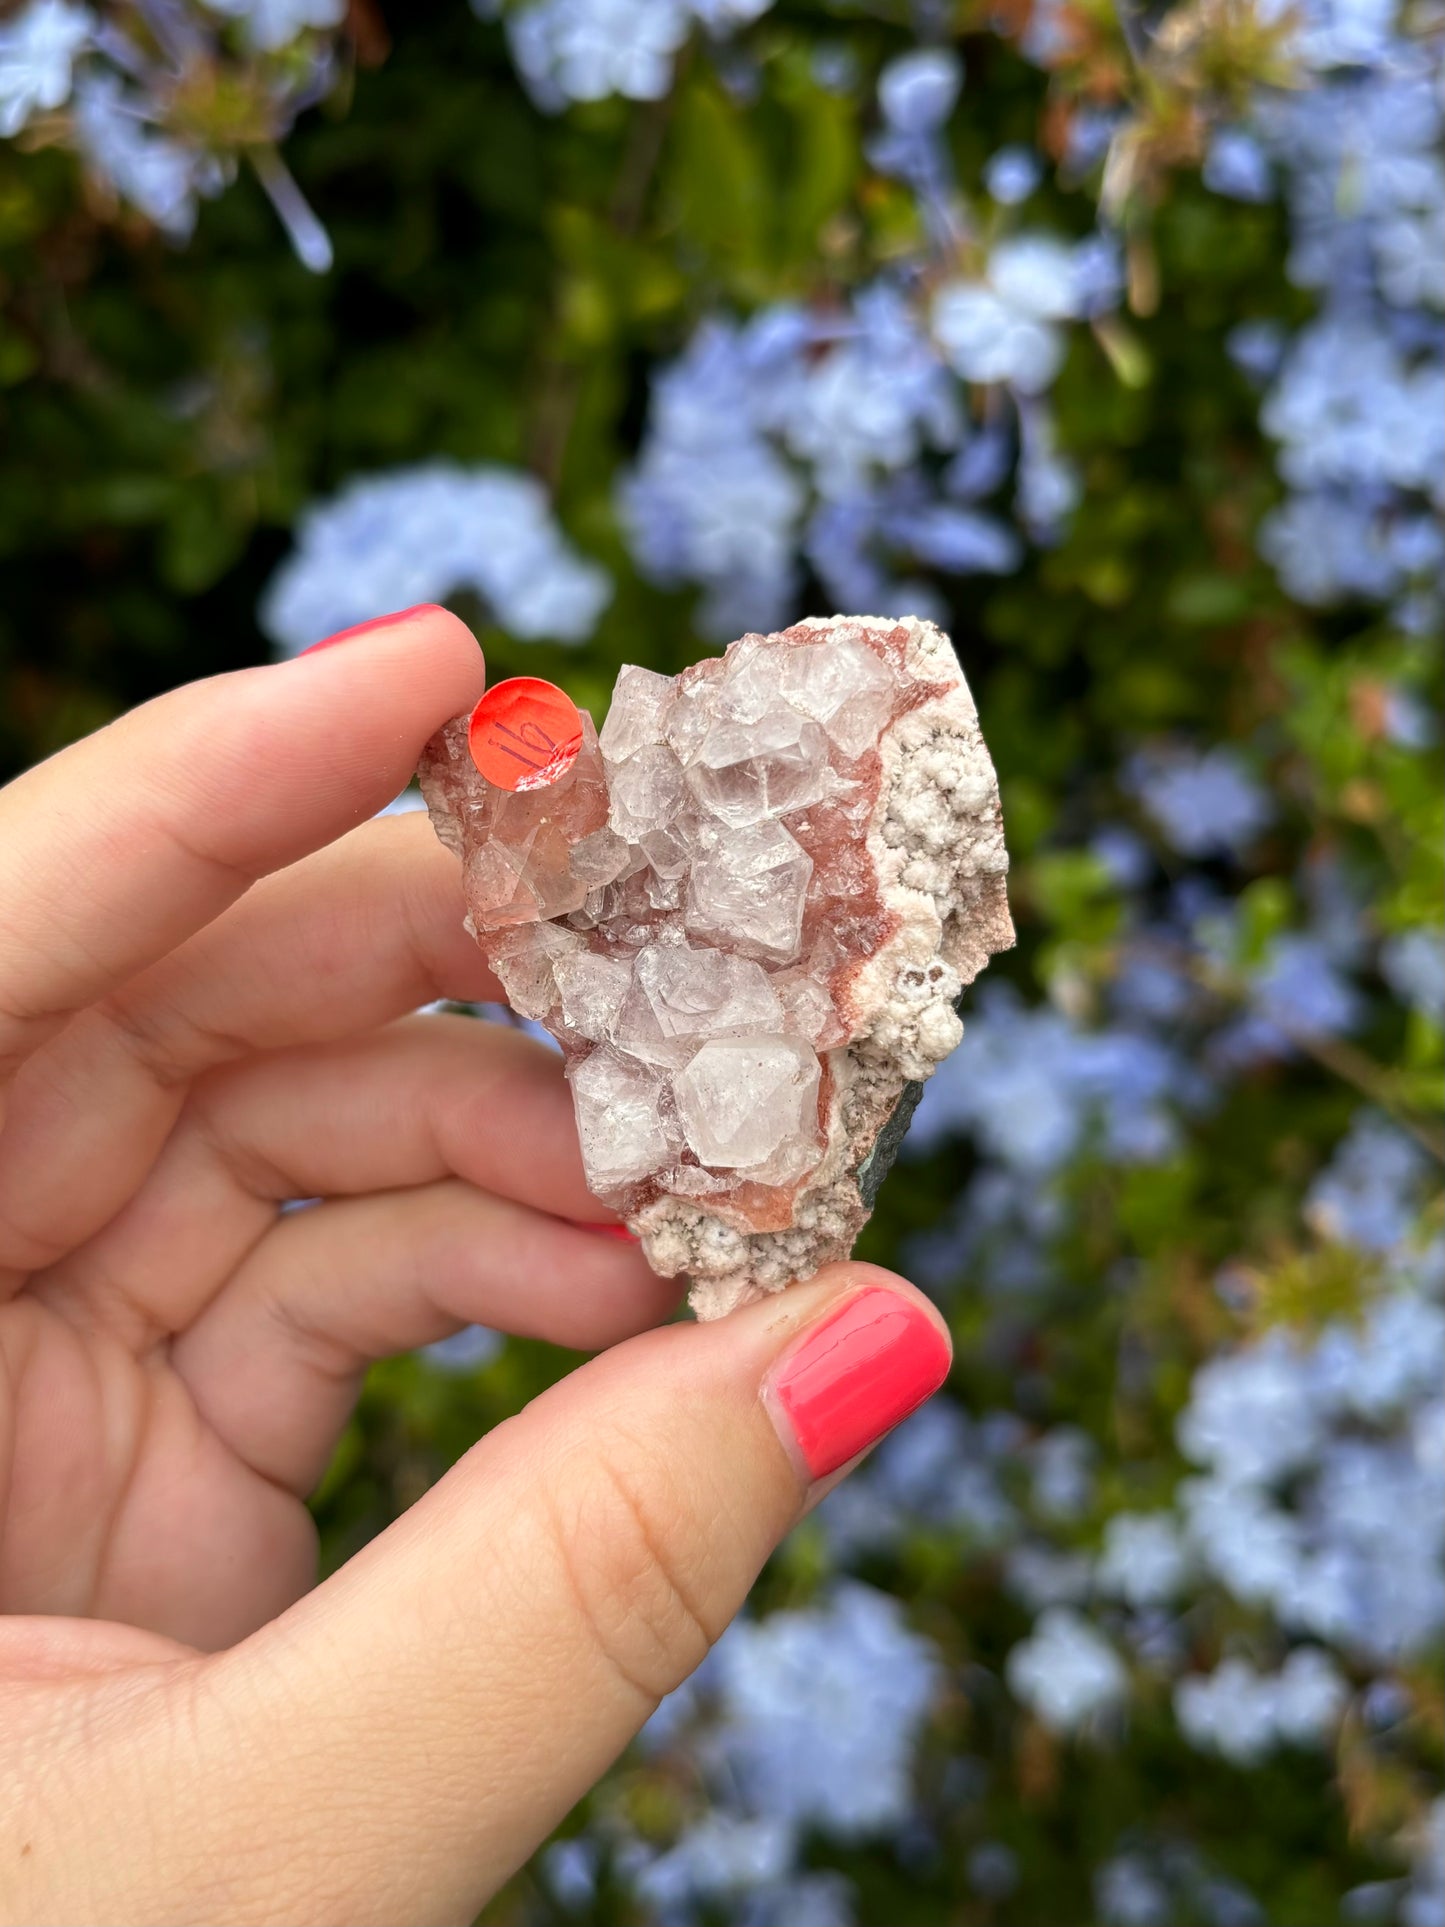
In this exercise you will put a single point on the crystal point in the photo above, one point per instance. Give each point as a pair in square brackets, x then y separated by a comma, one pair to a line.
[751, 1103]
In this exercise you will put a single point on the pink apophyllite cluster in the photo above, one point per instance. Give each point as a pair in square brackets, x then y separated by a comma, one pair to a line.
[746, 912]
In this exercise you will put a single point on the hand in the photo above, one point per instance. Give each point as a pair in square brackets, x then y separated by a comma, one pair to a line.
[206, 971]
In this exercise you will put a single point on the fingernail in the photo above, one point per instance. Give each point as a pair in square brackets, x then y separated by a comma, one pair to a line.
[610, 1231]
[376, 622]
[854, 1376]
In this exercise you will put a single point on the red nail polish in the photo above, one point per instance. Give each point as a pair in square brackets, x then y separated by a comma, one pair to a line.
[376, 622]
[610, 1231]
[853, 1377]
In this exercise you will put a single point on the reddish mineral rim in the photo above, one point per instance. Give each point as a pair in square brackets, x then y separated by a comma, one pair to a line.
[747, 912]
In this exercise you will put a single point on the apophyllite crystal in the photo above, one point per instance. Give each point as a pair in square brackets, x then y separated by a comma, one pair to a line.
[747, 912]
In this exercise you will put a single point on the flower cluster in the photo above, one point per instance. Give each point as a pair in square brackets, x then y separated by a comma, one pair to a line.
[576, 50]
[160, 103]
[1356, 399]
[425, 533]
[847, 440]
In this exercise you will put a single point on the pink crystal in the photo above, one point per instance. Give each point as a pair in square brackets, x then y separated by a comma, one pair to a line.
[747, 912]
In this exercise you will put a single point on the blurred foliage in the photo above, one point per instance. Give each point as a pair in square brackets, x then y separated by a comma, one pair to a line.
[503, 285]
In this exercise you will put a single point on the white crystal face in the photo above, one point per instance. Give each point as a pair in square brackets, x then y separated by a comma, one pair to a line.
[639, 703]
[705, 993]
[495, 884]
[619, 1121]
[751, 1104]
[598, 858]
[743, 772]
[526, 962]
[842, 685]
[647, 792]
[808, 1011]
[749, 888]
[689, 717]
[591, 989]
[668, 850]
[753, 682]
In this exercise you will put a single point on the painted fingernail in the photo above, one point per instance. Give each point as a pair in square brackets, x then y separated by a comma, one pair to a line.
[854, 1376]
[610, 1231]
[376, 622]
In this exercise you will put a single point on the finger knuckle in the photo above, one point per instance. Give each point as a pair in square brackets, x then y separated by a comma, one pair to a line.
[634, 1560]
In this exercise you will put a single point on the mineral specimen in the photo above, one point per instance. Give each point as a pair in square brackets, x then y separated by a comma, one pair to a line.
[747, 912]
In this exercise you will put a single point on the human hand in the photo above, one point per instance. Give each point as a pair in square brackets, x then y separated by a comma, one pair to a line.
[206, 972]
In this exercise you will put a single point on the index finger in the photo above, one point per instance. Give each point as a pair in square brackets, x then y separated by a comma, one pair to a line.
[119, 847]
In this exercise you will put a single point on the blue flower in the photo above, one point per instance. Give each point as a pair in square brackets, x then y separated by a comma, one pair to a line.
[720, 1857]
[1066, 1671]
[1029, 1084]
[710, 499]
[1205, 802]
[1244, 1715]
[1414, 967]
[1256, 1414]
[571, 1869]
[918, 91]
[1144, 1561]
[1238, 166]
[1012, 174]
[38, 50]
[1004, 327]
[1369, 1193]
[820, 1710]
[569, 50]
[1258, 348]
[872, 400]
[423, 533]
[1129, 1893]
[272, 24]
[465, 1351]
[1349, 409]
[1329, 546]
[961, 541]
[158, 175]
[1298, 991]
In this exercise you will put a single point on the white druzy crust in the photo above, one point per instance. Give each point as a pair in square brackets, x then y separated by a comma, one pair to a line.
[748, 917]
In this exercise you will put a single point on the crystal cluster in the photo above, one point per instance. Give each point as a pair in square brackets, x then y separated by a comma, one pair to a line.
[747, 912]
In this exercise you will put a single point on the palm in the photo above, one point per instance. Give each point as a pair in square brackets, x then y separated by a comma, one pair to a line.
[177, 1353]
[124, 1503]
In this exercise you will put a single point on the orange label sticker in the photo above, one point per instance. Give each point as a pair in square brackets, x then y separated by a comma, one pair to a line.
[525, 733]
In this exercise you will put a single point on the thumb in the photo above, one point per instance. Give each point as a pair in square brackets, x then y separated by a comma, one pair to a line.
[428, 1716]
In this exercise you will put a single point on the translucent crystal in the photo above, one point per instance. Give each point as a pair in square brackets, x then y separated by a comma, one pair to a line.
[754, 680]
[639, 703]
[751, 1103]
[706, 993]
[647, 792]
[808, 1010]
[529, 854]
[747, 930]
[749, 888]
[844, 686]
[743, 772]
[598, 858]
[591, 989]
[525, 961]
[619, 1120]
[669, 849]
